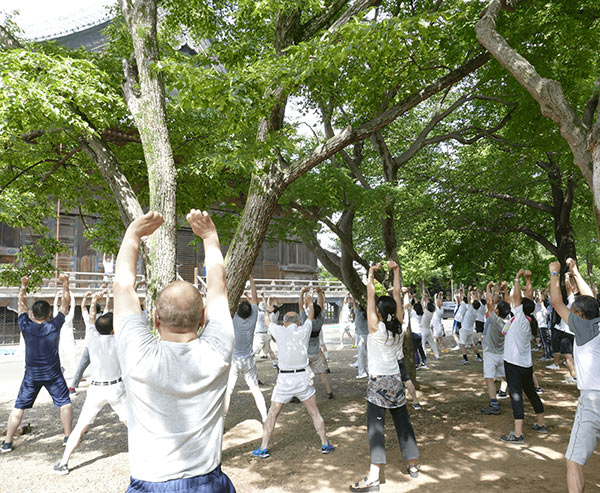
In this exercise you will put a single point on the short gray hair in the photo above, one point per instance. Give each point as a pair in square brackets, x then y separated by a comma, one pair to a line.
[291, 318]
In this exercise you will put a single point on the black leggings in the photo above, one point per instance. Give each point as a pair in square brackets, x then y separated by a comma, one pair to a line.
[376, 431]
[546, 341]
[520, 379]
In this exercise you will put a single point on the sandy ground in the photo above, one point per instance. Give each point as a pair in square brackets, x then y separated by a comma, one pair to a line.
[459, 447]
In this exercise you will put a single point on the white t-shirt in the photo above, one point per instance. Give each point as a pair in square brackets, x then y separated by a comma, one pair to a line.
[460, 312]
[517, 342]
[426, 320]
[383, 350]
[345, 314]
[436, 320]
[563, 326]
[541, 314]
[175, 396]
[468, 322]
[480, 313]
[104, 361]
[415, 322]
[292, 344]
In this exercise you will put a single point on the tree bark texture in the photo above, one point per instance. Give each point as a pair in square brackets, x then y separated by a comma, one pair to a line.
[145, 95]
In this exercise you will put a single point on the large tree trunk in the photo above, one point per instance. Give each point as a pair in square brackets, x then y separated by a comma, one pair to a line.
[145, 96]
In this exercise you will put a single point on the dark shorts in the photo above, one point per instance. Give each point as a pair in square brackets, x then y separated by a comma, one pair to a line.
[456, 327]
[403, 371]
[479, 326]
[213, 482]
[30, 388]
[562, 342]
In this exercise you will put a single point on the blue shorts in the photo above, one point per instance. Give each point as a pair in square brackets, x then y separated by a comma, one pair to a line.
[215, 481]
[30, 388]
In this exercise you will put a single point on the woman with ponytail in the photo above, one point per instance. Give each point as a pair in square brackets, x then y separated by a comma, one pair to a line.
[385, 389]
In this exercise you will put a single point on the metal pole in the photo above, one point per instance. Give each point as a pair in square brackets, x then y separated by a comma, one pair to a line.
[57, 239]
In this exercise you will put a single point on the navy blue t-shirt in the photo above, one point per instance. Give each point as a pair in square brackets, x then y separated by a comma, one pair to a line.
[41, 346]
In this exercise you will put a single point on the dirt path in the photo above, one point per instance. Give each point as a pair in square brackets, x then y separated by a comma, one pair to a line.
[460, 450]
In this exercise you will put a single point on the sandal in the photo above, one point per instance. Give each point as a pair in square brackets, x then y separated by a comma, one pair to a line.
[364, 485]
[413, 470]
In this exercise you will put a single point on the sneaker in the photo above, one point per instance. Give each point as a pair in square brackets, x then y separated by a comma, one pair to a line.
[569, 380]
[72, 391]
[340, 347]
[490, 410]
[553, 367]
[416, 406]
[413, 471]
[465, 362]
[478, 359]
[544, 358]
[275, 366]
[501, 395]
[65, 440]
[511, 437]
[61, 470]
[362, 375]
[327, 449]
[6, 447]
[539, 390]
[260, 383]
[455, 348]
[540, 429]
[262, 453]
[354, 365]
[328, 370]
[330, 395]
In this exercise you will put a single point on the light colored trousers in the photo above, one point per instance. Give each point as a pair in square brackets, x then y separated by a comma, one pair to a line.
[427, 336]
[361, 348]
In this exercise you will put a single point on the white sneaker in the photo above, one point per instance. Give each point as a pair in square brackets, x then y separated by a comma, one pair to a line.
[456, 348]
[362, 375]
[354, 365]
[553, 367]
[465, 362]
[569, 380]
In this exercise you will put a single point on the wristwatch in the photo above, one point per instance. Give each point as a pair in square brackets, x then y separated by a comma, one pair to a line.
[554, 273]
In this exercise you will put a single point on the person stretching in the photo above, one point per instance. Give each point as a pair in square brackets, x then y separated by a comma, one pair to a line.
[584, 320]
[295, 376]
[107, 385]
[436, 321]
[517, 359]
[176, 384]
[385, 390]
[361, 328]
[42, 363]
[244, 323]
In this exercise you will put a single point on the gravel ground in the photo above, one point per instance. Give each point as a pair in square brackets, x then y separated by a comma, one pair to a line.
[459, 447]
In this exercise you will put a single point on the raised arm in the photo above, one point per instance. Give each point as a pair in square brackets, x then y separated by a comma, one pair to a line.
[488, 296]
[108, 300]
[203, 226]
[397, 290]
[303, 291]
[83, 304]
[126, 300]
[584, 288]
[66, 294]
[93, 304]
[321, 298]
[308, 301]
[254, 299]
[439, 299]
[22, 305]
[56, 304]
[372, 318]
[515, 296]
[555, 294]
[528, 286]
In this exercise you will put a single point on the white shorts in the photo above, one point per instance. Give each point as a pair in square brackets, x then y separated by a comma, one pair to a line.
[321, 338]
[586, 428]
[316, 363]
[290, 385]
[493, 365]
[262, 341]
[466, 336]
[247, 366]
[99, 396]
[438, 330]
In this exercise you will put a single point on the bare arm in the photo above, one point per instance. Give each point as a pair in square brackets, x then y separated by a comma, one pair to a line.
[555, 295]
[528, 286]
[22, 305]
[583, 286]
[126, 300]
[66, 294]
[203, 226]
[488, 296]
[254, 300]
[55, 305]
[310, 307]
[94, 302]
[303, 291]
[372, 318]
[515, 296]
[83, 307]
[321, 298]
[397, 290]
[107, 301]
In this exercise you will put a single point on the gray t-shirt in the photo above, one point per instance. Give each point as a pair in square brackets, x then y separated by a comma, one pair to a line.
[360, 323]
[243, 329]
[493, 340]
[317, 325]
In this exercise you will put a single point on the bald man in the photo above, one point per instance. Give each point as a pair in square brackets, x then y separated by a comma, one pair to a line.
[176, 384]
